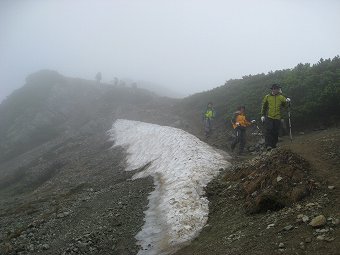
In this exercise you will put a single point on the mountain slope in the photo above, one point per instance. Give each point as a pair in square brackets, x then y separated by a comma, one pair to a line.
[50, 105]
[64, 189]
[314, 90]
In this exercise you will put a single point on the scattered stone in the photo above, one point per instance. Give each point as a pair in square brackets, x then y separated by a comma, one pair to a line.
[31, 247]
[254, 194]
[270, 226]
[329, 239]
[287, 228]
[310, 204]
[60, 215]
[320, 238]
[331, 187]
[302, 245]
[45, 246]
[324, 230]
[279, 178]
[82, 245]
[300, 216]
[305, 218]
[308, 240]
[318, 221]
[335, 221]
[281, 245]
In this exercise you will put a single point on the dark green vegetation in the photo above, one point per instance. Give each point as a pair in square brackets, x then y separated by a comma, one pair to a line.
[314, 90]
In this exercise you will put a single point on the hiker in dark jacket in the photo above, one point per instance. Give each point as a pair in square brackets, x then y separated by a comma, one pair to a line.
[271, 115]
[240, 122]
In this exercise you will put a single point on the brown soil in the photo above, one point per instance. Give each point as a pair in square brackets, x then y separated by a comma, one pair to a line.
[273, 180]
[252, 213]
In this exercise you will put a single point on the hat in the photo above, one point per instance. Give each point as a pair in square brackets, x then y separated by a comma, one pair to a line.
[275, 86]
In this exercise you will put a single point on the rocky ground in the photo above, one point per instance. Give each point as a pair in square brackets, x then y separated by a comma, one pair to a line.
[73, 196]
[286, 201]
[86, 206]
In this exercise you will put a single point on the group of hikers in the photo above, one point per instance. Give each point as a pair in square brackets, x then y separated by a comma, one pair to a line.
[270, 117]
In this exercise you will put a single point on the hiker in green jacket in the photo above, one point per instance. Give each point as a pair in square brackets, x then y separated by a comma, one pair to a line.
[271, 115]
[208, 117]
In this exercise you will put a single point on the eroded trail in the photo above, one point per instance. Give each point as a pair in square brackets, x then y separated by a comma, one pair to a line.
[181, 166]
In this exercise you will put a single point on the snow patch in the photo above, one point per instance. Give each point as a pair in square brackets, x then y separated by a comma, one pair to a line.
[181, 166]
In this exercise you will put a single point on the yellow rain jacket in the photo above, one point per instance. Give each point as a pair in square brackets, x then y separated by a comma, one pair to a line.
[240, 118]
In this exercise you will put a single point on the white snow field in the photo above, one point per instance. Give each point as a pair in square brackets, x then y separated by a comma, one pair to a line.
[181, 166]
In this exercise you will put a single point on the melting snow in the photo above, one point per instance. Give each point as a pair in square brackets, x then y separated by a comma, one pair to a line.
[181, 166]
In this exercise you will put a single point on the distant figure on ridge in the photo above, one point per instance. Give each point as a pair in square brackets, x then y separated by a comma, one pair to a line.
[240, 122]
[98, 77]
[208, 117]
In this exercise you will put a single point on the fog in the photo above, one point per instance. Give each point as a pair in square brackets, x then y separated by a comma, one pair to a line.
[184, 45]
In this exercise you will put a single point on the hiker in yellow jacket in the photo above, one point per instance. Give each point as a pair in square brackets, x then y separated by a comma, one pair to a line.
[240, 122]
[271, 115]
[208, 117]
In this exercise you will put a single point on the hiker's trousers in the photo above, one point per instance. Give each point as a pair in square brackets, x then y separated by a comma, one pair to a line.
[240, 137]
[207, 125]
[272, 132]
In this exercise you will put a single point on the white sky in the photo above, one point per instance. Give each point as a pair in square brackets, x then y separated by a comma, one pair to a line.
[185, 45]
[181, 166]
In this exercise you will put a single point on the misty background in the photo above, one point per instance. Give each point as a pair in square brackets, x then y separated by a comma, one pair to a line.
[186, 46]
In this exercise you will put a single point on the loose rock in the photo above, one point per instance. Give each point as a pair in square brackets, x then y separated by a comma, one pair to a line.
[318, 221]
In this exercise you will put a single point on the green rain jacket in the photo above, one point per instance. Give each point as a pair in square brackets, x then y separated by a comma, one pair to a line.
[272, 106]
[209, 113]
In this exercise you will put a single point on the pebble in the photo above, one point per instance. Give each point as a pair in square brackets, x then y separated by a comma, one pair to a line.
[287, 228]
[305, 218]
[270, 226]
[45, 246]
[302, 245]
[336, 221]
[300, 216]
[308, 240]
[281, 245]
[254, 194]
[329, 239]
[320, 238]
[324, 230]
[331, 187]
[279, 178]
[31, 247]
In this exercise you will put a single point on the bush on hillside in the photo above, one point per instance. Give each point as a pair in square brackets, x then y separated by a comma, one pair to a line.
[314, 90]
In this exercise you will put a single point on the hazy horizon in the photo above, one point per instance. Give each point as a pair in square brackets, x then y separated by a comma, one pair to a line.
[186, 46]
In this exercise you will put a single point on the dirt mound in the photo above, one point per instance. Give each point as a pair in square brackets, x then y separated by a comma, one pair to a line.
[273, 180]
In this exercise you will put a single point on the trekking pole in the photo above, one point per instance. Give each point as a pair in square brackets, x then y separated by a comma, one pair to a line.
[290, 124]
